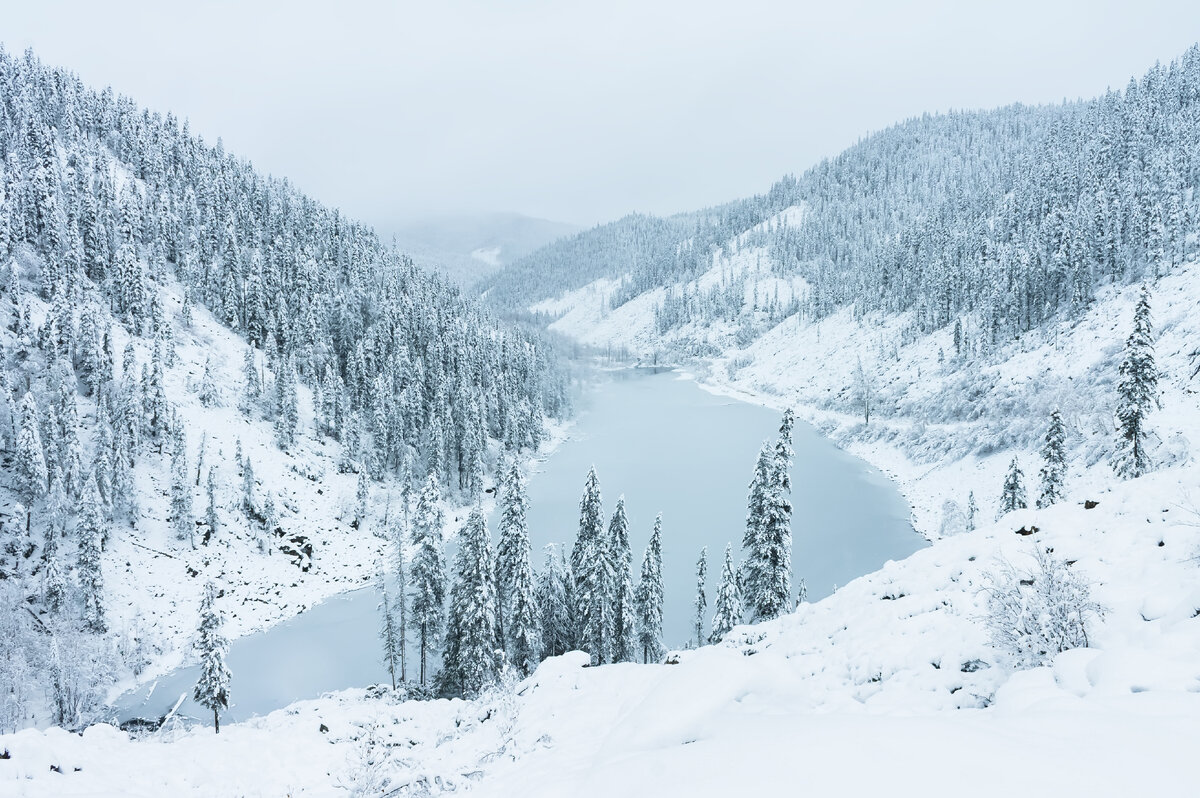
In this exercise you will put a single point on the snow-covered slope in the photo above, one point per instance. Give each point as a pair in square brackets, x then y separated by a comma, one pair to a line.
[890, 685]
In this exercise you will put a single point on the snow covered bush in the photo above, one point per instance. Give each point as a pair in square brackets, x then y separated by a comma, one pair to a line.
[1036, 613]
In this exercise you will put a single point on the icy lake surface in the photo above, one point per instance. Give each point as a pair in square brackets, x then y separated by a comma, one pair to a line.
[665, 444]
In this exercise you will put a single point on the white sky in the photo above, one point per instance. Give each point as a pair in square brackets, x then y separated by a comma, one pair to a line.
[574, 111]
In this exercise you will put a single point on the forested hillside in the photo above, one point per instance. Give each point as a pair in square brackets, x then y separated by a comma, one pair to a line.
[1014, 216]
[167, 313]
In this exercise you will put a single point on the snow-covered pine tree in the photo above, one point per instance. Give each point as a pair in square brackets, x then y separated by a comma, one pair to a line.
[864, 391]
[208, 394]
[553, 604]
[972, 511]
[30, 463]
[362, 493]
[400, 574]
[389, 632]
[1137, 394]
[650, 597]
[514, 537]
[251, 396]
[773, 567]
[728, 610]
[1012, 496]
[287, 416]
[516, 599]
[181, 490]
[624, 633]
[210, 512]
[700, 604]
[592, 565]
[248, 503]
[1054, 462]
[428, 570]
[212, 688]
[89, 532]
[752, 571]
[475, 649]
[54, 582]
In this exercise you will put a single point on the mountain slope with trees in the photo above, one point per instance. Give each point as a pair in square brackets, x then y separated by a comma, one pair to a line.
[198, 363]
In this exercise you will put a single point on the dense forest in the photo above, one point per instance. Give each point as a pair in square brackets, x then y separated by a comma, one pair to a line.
[116, 226]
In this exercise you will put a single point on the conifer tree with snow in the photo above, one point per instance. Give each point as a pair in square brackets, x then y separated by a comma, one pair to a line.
[594, 571]
[362, 493]
[287, 413]
[514, 537]
[54, 581]
[30, 465]
[473, 648]
[1137, 395]
[209, 395]
[972, 511]
[768, 575]
[700, 604]
[91, 578]
[1054, 462]
[752, 571]
[728, 610]
[181, 490]
[553, 602]
[650, 597]
[428, 570]
[248, 503]
[400, 605]
[516, 592]
[212, 688]
[1012, 496]
[624, 634]
[389, 631]
[210, 512]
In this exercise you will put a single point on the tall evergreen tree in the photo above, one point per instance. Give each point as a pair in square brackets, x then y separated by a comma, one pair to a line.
[212, 688]
[728, 610]
[473, 648]
[210, 513]
[554, 605]
[1054, 462]
[753, 567]
[592, 565]
[389, 632]
[89, 532]
[428, 571]
[700, 605]
[30, 463]
[1012, 496]
[650, 597]
[400, 605]
[516, 596]
[513, 547]
[1137, 394]
[772, 554]
[181, 491]
[624, 634]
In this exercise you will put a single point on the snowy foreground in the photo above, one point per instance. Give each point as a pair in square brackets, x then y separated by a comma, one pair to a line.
[888, 686]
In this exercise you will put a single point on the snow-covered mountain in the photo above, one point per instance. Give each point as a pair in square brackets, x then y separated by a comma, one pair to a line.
[467, 248]
[928, 299]
[207, 376]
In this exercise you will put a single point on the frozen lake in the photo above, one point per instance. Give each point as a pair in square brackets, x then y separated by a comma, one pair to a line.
[665, 444]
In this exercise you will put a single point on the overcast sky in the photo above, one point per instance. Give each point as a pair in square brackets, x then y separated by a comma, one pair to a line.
[579, 112]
